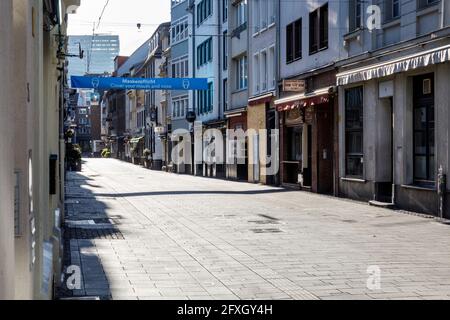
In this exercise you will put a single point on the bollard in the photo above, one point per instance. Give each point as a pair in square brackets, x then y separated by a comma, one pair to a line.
[442, 188]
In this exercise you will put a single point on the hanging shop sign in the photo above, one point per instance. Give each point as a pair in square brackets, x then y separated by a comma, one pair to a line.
[108, 83]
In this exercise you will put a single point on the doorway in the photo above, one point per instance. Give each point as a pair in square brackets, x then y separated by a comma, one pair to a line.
[384, 189]
[324, 153]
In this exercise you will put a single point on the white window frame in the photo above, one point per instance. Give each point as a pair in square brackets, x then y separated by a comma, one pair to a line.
[179, 106]
[256, 73]
[176, 34]
[271, 62]
[180, 64]
[256, 16]
[176, 2]
[263, 70]
[242, 73]
[241, 13]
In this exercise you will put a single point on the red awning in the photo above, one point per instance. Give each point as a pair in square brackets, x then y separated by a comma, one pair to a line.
[303, 102]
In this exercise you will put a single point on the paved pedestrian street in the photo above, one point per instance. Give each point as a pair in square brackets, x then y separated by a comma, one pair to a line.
[141, 234]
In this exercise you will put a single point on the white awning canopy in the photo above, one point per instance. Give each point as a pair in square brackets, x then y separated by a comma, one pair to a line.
[403, 64]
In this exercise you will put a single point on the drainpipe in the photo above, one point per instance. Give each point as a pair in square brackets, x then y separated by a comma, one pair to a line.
[277, 88]
[219, 57]
[191, 9]
[442, 189]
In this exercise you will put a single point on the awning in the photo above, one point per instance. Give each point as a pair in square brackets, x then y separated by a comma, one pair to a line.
[304, 100]
[262, 99]
[403, 64]
[235, 112]
[136, 140]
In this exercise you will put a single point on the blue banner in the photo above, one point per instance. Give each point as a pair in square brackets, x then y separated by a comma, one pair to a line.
[101, 83]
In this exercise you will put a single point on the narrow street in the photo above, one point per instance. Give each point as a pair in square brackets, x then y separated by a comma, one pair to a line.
[141, 234]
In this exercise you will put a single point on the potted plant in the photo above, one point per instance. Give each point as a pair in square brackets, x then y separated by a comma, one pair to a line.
[147, 158]
[73, 157]
[106, 153]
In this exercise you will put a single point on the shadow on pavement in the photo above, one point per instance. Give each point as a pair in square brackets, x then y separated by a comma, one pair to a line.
[86, 220]
[200, 192]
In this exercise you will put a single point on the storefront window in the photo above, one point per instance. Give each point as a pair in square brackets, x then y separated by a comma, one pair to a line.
[354, 162]
[424, 129]
[294, 143]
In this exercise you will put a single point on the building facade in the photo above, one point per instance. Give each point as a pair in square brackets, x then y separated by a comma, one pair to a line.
[99, 54]
[310, 45]
[394, 105]
[238, 94]
[262, 87]
[181, 65]
[32, 60]
[208, 59]
[154, 111]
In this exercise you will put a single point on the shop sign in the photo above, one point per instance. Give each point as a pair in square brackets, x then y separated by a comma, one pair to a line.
[294, 86]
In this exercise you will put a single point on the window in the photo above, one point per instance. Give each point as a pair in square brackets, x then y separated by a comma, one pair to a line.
[177, 2]
[271, 68]
[426, 3]
[225, 94]
[179, 107]
[224, 10]
[263, 14]
[354, 119]
[395, 8]
[392, 9]
[204, 10]
[318, 29]
[225, 50]
[256, 13]
[180, 68]
[272, 12]
[355, 14]
[323, 28]
[179, 30]
[82, 111]
[294, 41]
[256, 75]
[205, 100]
[204, 52]
[241, 73]
[424, 129]
[263, 71]
[241, 13]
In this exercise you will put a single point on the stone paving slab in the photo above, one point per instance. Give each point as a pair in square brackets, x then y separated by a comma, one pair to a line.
[147, 235]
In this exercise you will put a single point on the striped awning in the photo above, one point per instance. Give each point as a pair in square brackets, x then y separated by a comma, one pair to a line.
[304, 100]
[403, 64]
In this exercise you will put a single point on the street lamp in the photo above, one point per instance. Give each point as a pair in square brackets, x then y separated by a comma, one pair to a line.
[190, 118]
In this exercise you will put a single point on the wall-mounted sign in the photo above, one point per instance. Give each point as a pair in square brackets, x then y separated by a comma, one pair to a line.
[107, 83]
[294, 86]
[160, 130]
